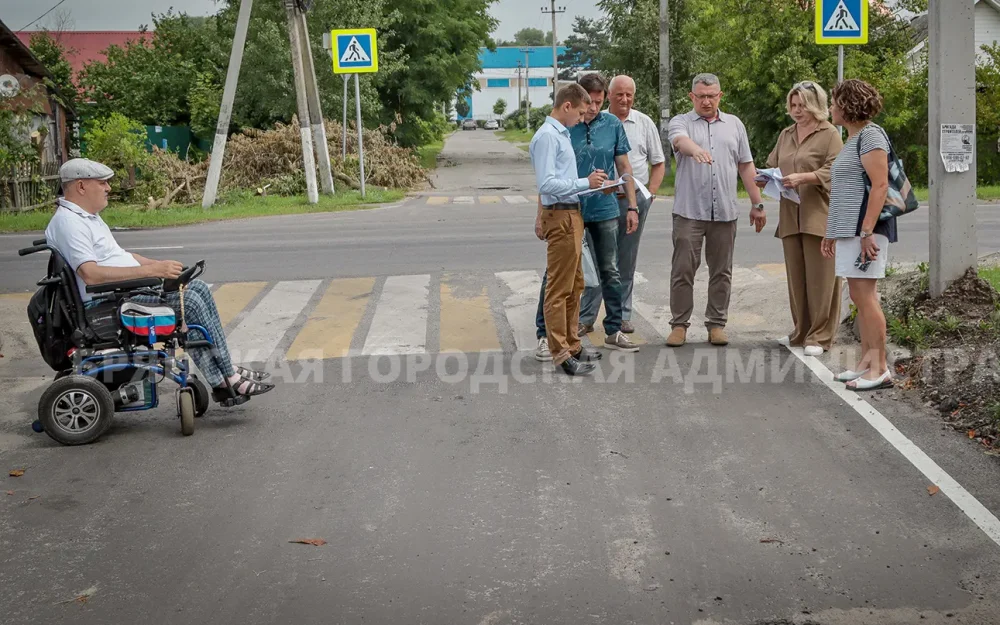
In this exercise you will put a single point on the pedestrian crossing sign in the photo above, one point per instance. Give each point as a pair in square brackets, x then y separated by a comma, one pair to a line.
[355, 51]
[842, 22]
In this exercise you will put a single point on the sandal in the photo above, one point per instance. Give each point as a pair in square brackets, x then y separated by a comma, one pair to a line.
[244, 388]
[250, 374]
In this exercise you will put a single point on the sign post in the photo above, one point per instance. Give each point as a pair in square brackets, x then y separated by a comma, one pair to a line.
[840, 23]
[355, 51]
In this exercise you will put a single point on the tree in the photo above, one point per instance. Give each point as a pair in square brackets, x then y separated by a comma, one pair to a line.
[499, 106]
[584, 47]
[52, 54]
[462, 107]
[440, 40]
[988, 116]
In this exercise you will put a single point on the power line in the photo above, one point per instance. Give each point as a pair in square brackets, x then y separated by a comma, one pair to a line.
[42, 15]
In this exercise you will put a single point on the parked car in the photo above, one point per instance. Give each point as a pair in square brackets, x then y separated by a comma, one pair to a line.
[491, 125]
[469, 124]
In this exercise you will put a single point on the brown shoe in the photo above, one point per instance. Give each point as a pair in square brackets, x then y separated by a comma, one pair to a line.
[627, 327]
[677, 336]
[717, 336]
[583, 329]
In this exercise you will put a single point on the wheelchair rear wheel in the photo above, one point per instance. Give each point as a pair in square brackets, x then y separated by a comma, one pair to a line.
[185, 406]
[76, 410]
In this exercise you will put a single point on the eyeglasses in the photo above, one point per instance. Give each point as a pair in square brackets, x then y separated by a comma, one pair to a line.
[806, 84]
[707, 96]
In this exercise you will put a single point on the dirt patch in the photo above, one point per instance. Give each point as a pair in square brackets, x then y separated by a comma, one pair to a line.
[955, 364]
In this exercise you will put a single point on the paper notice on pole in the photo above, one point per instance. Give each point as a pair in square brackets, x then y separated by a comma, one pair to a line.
[958, 146]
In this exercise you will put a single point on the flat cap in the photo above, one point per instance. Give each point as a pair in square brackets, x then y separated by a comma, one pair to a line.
[84, 169]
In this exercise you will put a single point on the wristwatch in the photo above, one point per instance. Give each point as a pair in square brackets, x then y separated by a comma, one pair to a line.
[865, 234]
[633, 208]
[759, 206]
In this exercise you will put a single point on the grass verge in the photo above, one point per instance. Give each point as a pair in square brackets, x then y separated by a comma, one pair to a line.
[428, 154]
[234, 207]
[518, 136]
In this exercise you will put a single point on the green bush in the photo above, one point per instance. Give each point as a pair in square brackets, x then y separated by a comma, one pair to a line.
[120, 143]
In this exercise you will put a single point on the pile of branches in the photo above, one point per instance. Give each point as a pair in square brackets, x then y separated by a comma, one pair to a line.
[270, 162]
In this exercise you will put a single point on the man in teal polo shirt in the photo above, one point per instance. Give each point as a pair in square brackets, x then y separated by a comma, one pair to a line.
[600, 143]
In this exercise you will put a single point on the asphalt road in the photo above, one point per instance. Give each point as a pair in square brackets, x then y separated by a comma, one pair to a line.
[700, 485]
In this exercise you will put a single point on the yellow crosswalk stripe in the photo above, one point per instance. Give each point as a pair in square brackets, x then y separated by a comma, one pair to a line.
[16, 297]
[330, 328]
[231, 298]
[489, 199]
[466, 319]
[438, 199]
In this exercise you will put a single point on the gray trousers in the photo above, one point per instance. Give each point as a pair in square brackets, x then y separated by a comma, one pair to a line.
[719, 238]
[628, 254]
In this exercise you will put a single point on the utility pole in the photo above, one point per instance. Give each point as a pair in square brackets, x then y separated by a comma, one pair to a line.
[308, 159]
[954, 247]
[315, 109]
[665, 78]
[555, 52]
[226, 110]
[527, 88]
[519, 99]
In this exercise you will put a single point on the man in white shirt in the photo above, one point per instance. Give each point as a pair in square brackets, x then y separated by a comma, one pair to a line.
[86, 243]
[648, 167]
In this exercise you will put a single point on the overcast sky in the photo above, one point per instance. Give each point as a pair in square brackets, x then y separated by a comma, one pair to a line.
[120, 15]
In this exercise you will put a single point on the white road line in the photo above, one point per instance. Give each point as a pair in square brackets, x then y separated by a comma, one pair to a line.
[966, 502]
[400, 322]
[255, 339]
[463, 199]
[515, 199]
[522, 305]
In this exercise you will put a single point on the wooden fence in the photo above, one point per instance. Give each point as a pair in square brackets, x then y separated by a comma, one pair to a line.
[27, 186]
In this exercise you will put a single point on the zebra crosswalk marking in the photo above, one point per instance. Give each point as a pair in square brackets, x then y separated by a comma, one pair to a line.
[262, 329]
[330, 327]
[466, 319]
[521, 306]
[515, 199]
[464, 199]
[489, 199]
[438, 199]
[233, 297]
[400, 322]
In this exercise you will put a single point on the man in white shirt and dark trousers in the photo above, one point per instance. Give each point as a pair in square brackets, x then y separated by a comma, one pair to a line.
[648, 167]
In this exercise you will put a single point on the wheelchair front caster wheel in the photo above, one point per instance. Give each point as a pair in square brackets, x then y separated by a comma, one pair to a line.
[185, 406]
[75, 410]
[201, 395]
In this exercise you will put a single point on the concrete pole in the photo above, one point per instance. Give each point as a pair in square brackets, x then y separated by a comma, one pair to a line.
[315, 109]
[361, 143]
[308, 158]
[665, 79]
[226, 110]
[555, 48]
[952, 93]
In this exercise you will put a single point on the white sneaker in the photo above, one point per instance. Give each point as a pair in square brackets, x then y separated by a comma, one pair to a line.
[813, 350]
[785, 340]
[542, 352]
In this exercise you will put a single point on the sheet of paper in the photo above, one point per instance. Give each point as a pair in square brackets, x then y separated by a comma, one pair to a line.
[607, 185]
[774, 188]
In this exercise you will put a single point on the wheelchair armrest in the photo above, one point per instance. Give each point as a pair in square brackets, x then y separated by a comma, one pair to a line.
[124, 285]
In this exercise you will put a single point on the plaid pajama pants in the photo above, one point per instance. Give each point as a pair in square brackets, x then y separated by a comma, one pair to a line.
[199, 309]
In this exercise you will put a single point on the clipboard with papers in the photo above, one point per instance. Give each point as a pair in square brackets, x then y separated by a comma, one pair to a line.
[640, 189]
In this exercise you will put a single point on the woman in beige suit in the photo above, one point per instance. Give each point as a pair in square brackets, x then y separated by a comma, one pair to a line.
[804, 153]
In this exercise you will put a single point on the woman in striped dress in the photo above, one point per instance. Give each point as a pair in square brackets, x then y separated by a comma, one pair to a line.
[855, 236]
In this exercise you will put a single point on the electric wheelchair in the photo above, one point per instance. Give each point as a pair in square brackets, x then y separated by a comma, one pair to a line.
[111, 355]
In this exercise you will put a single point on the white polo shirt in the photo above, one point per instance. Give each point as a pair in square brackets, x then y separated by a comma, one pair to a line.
[646, 146]
[81, 237]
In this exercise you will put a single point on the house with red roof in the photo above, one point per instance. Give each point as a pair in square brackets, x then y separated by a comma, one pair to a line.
[84, 46]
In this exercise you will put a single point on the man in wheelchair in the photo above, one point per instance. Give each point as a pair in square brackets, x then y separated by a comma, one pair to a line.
[84, 240]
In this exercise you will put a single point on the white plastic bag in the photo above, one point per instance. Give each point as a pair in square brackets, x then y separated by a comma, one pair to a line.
[589, 269]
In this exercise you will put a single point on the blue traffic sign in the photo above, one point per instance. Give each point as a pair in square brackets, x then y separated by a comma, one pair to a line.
[842, 22]
[355, 51]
